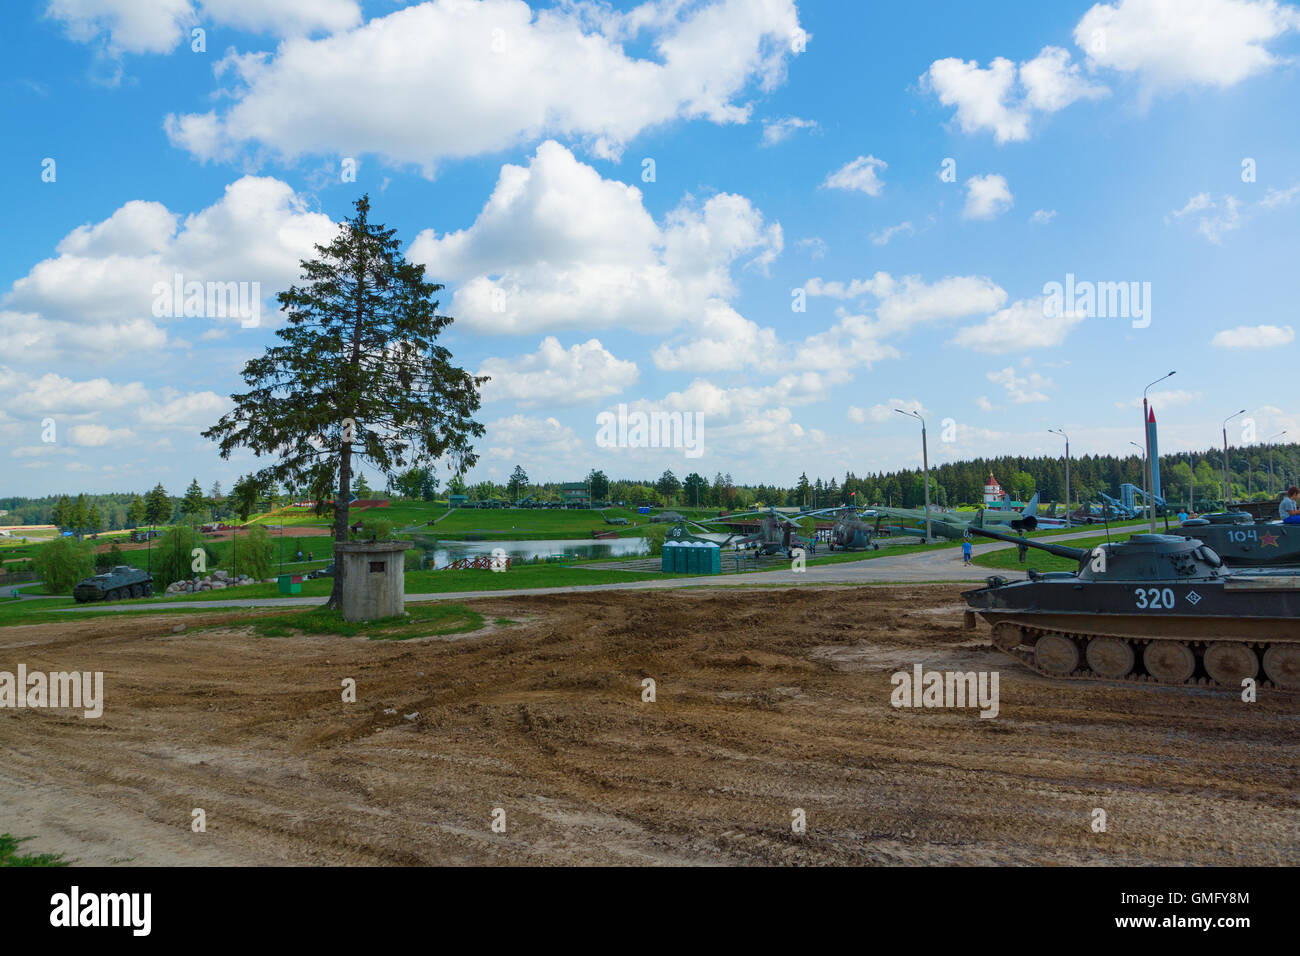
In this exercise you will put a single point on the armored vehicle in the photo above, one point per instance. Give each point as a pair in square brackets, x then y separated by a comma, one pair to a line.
[1153, 608]
[121, 582]
[1244, 542]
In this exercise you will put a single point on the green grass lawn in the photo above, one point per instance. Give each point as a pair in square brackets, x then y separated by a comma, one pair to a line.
[524, 576]
[420, 620]
[1008, 559]
[495, 523]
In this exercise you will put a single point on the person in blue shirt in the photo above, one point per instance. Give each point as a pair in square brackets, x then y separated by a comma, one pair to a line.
[965, 552]
[1289, 509]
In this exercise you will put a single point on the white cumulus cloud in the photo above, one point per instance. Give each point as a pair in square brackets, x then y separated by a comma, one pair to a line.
[1172, 44]
[858, 175]
[986, 197]
[1254, 337]
[555, 376]
[1022, 325]
[1003, 98]
[500, 73]
[97, 294]
[159, 26]
[557, 246]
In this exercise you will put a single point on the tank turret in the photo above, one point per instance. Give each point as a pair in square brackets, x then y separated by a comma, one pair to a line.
[1244, 542]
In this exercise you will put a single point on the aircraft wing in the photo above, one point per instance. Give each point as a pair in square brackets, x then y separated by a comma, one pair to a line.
[942, 523]
[904, 514]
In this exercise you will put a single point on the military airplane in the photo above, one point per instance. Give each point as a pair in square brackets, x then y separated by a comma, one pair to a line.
[953, 524]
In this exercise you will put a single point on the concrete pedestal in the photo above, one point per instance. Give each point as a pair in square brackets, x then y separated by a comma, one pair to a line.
[373, 585]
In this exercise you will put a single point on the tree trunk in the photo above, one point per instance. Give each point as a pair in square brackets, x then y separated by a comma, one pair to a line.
[341, 506]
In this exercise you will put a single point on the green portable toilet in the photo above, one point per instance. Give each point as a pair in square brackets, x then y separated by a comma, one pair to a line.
[668, 557]
[290, 583]
[684, 558]
[713, 559]
[693, 558]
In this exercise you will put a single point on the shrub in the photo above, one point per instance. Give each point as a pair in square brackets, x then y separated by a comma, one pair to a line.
[109, 559]
[374, 529]
[62, 563]
[173, 557]
[254, 553]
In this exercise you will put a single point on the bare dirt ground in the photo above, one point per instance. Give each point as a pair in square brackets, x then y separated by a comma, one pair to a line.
[767, 701]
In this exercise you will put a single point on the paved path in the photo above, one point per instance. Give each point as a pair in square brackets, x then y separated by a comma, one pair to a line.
[24, 596]
[938, 565]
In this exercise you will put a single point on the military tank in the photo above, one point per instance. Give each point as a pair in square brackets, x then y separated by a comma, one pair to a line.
[1154, 608]
[1244, 542]
[118, 584]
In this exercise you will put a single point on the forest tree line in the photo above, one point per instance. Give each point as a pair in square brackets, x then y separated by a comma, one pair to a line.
[952, 484]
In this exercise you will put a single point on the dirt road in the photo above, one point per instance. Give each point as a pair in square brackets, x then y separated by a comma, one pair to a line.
[766, 703]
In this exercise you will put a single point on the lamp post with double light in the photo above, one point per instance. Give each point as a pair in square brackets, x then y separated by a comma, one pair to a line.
[1227, 477]
[925, 461]
[1061, 432]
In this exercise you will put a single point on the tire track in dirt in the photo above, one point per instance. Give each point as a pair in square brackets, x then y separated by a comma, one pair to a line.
[766, 702]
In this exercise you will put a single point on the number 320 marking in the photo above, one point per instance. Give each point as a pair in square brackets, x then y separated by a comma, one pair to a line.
[1149, 598]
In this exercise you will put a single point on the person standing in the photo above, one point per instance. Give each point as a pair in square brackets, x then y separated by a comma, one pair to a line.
[966, 552]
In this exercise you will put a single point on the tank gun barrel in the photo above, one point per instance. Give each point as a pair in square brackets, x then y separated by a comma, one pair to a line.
[1061, 550]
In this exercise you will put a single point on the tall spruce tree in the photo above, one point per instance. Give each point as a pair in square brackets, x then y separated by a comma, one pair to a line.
[193, 504]
[358, 374]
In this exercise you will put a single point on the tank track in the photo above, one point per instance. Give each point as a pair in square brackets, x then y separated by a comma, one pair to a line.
[1201, 678]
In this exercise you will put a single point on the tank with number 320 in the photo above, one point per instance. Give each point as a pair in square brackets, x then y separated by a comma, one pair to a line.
[1154, 608]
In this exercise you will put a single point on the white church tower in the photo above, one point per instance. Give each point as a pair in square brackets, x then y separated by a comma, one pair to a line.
[994, 496]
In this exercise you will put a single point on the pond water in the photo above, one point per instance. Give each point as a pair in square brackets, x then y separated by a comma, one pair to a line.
[518, 551]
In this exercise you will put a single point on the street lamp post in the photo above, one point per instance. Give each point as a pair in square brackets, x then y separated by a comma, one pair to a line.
[1270, 460]
[1191, 482]
[925, 461]
[1227, 479]
[1060, 432]
[1146, 495]
[1149, 477]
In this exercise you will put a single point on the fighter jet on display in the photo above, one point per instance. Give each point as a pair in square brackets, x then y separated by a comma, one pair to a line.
[954, 524]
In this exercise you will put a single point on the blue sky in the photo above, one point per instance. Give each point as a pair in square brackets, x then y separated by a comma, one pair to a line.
[508, 146]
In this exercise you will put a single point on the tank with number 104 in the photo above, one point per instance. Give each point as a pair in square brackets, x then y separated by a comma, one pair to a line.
[1153, 608]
